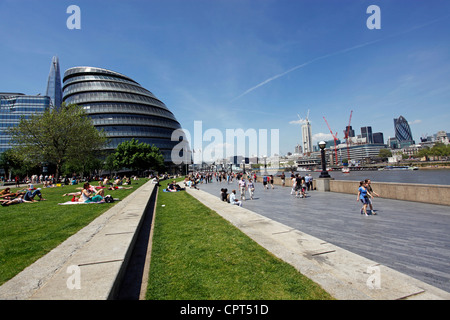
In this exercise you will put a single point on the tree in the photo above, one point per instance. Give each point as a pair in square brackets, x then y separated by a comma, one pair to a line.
[385, 153]
[57, 136]
[138, 156]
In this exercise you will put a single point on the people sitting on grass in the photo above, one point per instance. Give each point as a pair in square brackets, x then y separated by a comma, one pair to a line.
[32, 193]
[88, 195]
[174, 187]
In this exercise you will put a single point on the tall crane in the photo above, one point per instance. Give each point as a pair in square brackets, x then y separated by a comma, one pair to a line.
[335, 139]
[346, 137]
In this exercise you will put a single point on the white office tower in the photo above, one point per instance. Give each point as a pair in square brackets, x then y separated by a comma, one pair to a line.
[307, 136]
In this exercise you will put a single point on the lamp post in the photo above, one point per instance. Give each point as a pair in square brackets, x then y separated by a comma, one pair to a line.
[265, 164]
[324, 173]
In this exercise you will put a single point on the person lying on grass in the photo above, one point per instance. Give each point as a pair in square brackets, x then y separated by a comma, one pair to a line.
[8, 195]
[19, 199]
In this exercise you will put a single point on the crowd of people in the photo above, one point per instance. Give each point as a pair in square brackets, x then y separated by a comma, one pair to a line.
[87, 194]
[245, 183]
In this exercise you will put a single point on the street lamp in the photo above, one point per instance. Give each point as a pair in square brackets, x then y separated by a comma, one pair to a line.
[324, 173]
[243, 166]
[265, 165]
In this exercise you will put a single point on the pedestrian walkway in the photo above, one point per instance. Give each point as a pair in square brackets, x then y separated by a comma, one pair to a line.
[408, 241]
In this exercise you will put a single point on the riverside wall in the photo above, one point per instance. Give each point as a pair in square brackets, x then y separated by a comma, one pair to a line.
[426, 193]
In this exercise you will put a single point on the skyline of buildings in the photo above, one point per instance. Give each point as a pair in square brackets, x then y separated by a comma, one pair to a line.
[126, 110]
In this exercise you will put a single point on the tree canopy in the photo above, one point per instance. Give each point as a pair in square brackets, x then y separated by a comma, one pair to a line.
[57, 136]
[138, 156]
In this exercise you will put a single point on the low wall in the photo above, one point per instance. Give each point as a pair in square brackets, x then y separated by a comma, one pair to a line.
[427, 193]
[98, 255]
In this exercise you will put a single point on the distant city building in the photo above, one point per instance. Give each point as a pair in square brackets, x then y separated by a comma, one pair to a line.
[393, 143]
[298, 149]
[351, 132]
[442, 136]
[54, 90]
[403, 132]
[359, 153]
[378, 138]
[121, 107]
[14, 106]
[366, 132]
[307, 136]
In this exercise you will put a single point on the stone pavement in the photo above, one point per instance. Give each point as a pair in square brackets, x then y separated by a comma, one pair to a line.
[406, 246]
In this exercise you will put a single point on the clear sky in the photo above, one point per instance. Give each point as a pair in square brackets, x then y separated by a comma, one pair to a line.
[250, 64]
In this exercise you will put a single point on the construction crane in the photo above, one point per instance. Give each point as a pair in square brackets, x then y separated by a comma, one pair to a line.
[346, 137]
[335, 139]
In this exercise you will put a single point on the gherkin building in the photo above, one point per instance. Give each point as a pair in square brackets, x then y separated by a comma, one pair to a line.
[121, 107]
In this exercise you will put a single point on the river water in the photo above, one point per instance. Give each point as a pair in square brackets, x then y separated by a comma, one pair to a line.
[425, 176]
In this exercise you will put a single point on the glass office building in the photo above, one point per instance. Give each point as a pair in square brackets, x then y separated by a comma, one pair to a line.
[54, 90]
[14, 106]
[403, 132]
[121, 107]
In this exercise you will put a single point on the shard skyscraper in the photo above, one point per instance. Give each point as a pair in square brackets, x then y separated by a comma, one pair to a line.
[54, 85]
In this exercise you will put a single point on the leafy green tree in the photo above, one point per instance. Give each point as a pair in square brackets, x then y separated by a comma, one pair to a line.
[385, 153]
[138, 156]
[57, 136]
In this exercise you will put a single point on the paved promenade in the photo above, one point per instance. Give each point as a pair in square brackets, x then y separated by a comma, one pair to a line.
[408, 237]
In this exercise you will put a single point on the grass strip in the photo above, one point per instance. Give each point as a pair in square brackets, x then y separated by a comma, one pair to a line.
[198, 255]
[28, 231]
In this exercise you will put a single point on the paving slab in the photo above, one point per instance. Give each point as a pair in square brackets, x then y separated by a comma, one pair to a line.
[341, 272]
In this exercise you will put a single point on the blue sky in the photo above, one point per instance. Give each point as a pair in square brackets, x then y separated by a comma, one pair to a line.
[249, 64]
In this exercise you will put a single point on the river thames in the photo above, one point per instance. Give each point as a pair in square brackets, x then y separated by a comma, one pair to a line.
[424, 176]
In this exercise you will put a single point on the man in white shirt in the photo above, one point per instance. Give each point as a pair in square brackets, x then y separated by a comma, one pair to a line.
[242, 187]
[233, 199]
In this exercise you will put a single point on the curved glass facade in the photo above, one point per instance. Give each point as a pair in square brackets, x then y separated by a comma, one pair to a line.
[403, 131]
[121, 107]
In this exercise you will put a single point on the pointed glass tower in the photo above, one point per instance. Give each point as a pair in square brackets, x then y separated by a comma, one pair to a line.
[54, 90]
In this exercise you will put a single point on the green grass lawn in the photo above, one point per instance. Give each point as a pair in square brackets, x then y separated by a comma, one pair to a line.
[197, 255]
[30, 230]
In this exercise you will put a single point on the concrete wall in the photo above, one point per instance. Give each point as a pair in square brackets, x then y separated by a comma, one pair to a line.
[426, 193]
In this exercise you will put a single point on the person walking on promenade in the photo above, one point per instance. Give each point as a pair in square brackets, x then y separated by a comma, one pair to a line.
[372, 193]
[363, 196]
[271, 181]
[265, 182]
[298, 185]
[242, 187]
[251, 188]
[293, 184]
[283, 179]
